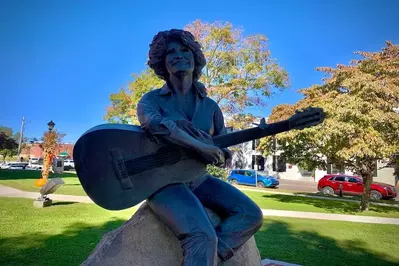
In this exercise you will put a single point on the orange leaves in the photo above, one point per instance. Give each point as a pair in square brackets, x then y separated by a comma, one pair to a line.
[359, 100]
[49, 147]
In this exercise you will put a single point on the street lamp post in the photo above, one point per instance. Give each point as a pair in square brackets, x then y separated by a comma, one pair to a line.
[48, 152]
[50, 125]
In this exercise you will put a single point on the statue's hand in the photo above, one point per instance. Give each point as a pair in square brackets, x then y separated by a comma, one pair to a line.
[194, 132]
[228, 154]
[212, 154]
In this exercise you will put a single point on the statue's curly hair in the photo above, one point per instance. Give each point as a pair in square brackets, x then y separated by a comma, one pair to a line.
[159, 45]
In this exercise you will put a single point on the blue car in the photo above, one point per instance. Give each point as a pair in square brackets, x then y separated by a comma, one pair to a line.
[248, 177]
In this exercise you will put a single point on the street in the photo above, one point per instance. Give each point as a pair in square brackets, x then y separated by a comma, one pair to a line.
[297, 186]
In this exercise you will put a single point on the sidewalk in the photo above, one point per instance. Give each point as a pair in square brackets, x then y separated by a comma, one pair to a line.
[269, 262]
[12, 192]
[16, 193]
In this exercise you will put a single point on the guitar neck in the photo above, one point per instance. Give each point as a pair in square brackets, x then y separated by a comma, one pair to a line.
[234, 138]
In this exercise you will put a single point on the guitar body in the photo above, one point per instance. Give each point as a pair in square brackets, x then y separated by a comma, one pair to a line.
[119, 165]
[105, 156]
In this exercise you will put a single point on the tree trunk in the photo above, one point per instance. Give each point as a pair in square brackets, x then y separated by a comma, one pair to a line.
[365, 202]
[4, 156]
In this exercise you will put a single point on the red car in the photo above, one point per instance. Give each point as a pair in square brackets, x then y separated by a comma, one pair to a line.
[353, 185]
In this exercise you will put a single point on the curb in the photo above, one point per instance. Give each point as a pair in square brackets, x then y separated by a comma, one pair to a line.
[269, 262]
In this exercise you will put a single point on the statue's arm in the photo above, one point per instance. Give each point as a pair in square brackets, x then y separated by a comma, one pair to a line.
[220, 129]
[153, 122]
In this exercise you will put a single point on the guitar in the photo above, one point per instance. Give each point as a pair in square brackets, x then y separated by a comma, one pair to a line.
[119, 165]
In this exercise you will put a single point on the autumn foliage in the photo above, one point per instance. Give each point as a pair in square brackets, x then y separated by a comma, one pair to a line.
[49, 147]
[361, 101]
[240, 71]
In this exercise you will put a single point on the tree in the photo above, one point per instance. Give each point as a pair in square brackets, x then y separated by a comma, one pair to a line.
[49, 146]
[361, 125]
[8, 146]
[240, 72]
[6, 130]
[124, 103]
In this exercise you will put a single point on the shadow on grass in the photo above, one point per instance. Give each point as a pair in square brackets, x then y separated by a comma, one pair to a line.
[348, 197]
[277, 240]
[333, 206]
[71, 247]
[64, 203]
[6, 174]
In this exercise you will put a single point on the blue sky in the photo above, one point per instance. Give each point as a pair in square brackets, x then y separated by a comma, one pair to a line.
[60, 60]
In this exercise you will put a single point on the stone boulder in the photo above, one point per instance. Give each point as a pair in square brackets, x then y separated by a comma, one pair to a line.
[144, 240]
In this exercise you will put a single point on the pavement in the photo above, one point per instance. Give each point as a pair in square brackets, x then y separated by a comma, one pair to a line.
[298, 185]
[16, 193]
[269, 262]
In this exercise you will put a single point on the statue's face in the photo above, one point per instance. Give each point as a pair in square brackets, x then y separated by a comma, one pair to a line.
[179, 59]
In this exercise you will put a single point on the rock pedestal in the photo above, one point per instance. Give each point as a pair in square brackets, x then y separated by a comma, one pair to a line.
[145, 241]
[41, 203]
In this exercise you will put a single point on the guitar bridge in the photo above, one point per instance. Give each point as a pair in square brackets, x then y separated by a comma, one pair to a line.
[120, 168]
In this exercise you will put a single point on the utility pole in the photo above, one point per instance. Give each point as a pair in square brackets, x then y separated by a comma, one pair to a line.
[21, 135]
[275, 153]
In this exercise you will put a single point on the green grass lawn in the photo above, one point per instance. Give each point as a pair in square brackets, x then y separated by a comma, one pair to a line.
[298, 203]
[314, 242]
[24, 180]
[66, 233]
[63, 234]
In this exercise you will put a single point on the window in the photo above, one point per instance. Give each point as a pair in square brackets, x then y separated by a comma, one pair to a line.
[353, 180]
[280, 162]
[339, 178]
[258, 160]
[255, 144]
[248, 173]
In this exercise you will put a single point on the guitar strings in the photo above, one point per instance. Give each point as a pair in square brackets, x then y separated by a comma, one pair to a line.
[142, 164]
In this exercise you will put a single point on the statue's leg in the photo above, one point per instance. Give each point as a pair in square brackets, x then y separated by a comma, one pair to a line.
[181, 211]
[241, 216]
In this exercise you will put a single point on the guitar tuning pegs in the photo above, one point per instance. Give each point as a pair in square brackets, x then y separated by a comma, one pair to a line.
[262, 124]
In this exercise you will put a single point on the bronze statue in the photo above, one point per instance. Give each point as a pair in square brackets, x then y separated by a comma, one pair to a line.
[164, 159]
[181, 113]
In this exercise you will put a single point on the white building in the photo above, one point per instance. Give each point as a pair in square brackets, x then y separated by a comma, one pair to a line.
[246, 156]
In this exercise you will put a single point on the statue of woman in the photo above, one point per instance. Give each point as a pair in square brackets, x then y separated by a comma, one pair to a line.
[181, 113]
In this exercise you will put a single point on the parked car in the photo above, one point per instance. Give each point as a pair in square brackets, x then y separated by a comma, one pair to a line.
[14, 165]
[34, 167]
[353, 185]
[69, 164]
[34, 160]
[251, 178]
